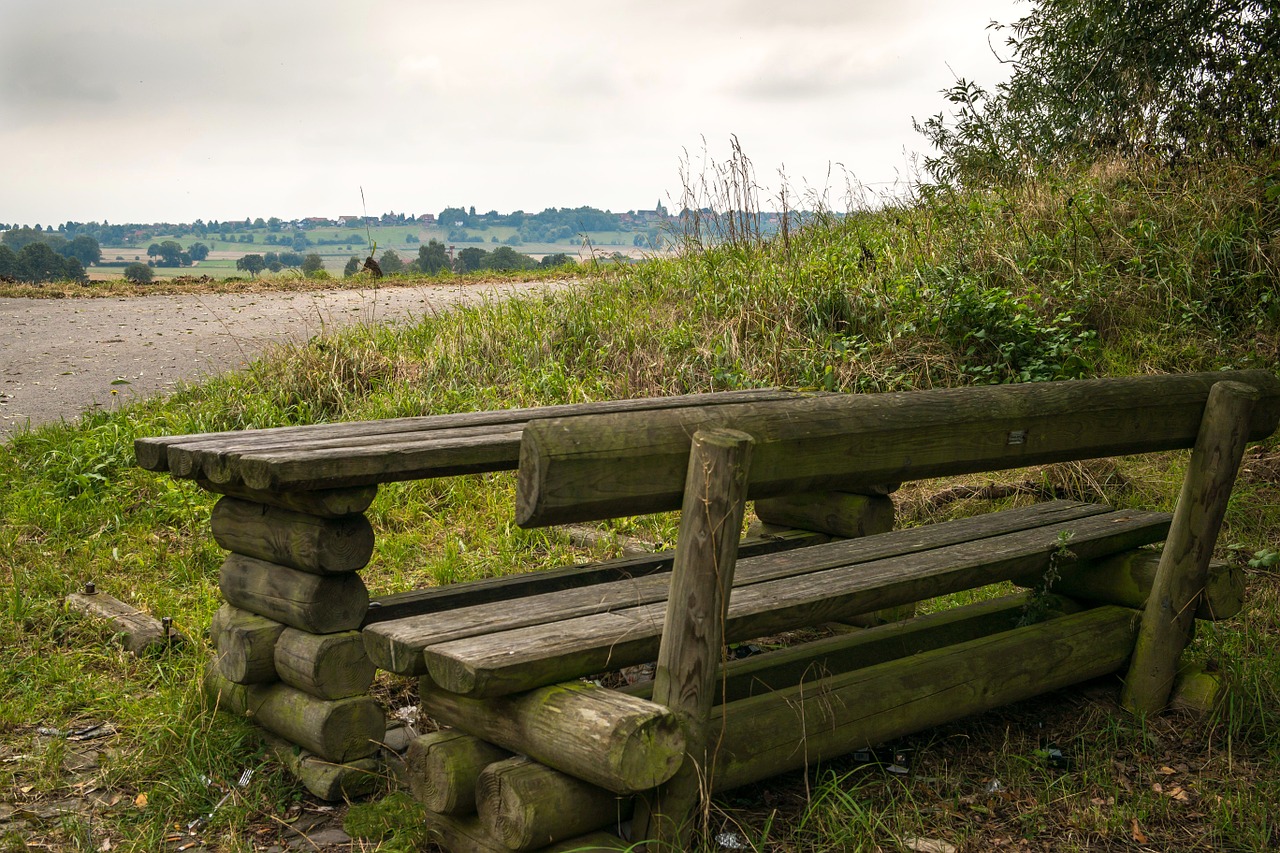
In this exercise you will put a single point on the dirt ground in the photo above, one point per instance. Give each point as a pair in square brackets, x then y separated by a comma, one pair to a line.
[62, 357]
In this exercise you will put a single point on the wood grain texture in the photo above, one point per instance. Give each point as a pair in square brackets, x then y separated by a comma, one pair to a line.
[245, 645]
[1184, 560]
[305, 542]
[317, 604]
[397, 646]
[528, 805]
[523, 658]
[838, 513]
[601, 466]
[325, 779]
[139, 632]
[329, 666]
[444, 766]
[617, 742]
[692, 647]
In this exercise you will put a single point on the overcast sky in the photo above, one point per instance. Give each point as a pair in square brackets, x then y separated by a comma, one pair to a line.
[172, 111]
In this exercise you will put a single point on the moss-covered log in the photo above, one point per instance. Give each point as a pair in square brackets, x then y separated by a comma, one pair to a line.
[245, 644]
[308, 543]
[776, 732]
[601, 466]
[1184, 561]
[612, 740]
[318, 604]
[339, 730]
[326, 779]
[467, 835]
[527, 805]
[443, 768]
[1126, 579]
[838, 513]
[330, 666]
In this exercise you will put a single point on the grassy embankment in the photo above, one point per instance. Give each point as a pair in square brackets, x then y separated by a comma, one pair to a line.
[1124, 270]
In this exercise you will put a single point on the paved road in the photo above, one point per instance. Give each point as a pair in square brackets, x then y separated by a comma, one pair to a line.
[62, 357]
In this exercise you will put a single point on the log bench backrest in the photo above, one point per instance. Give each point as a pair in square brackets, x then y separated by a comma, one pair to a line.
[606, 465]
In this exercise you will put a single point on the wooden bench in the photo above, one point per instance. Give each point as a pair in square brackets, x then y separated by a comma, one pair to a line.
[500, 661]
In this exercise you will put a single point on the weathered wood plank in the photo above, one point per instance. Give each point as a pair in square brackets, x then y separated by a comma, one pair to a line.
[467, 835]
[600, 466]
[1184, 561]
[776, 732]
[339, 730]
[809, 662]
[444, 766]
[187, 456]
[692, 646]
[328, 666]
[452, 596]
[140, 632]
[523, 658]
[318, 604]
[528, 805]
[245, 644]
[838, 513]
[397, 646]
[304, 542]
[604, 737]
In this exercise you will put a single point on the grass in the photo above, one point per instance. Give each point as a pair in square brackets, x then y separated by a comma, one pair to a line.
[1126, 269]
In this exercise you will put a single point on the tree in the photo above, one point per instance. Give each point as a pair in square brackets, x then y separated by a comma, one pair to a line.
[433, 258]
[559, 259]
[10, 268]
[170, 253]
[1098, 77]
[471, 259]
[291, 259]
[37, 263]
[153, 251]
[252, 264]
[312, 264]
[84, 249]
[138, 273]
[352, 267]
[391, 263]
[17, 238]
[507, 258]
[198, 251]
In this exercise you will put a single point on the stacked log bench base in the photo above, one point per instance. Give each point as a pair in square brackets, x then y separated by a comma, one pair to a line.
[534, 756]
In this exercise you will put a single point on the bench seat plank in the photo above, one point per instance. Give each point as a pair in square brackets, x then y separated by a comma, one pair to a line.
[187, 455]
[397, 645]
[524, 658]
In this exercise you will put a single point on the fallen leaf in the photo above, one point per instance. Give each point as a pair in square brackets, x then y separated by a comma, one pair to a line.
[1168, 771]
[928, 845]
[1137, 833]
[105, 845]
[140, 801]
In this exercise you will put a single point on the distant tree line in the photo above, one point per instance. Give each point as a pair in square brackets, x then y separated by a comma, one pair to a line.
[433, 259]
[32, 255]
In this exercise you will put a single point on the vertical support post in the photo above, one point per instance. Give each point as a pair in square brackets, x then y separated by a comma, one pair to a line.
[1170, 611]
[693, 633]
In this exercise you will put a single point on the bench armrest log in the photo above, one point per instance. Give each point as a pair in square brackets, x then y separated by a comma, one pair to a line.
[600, 466]
[693, 631]
[1184, 561]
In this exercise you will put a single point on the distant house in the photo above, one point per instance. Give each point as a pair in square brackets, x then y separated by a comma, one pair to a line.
[351, 221]
[317, 222]
[427, 219]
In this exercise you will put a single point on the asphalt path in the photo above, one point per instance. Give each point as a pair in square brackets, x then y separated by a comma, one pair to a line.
[62, 357]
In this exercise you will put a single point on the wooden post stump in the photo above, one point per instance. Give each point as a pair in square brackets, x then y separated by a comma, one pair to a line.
[443, 768]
